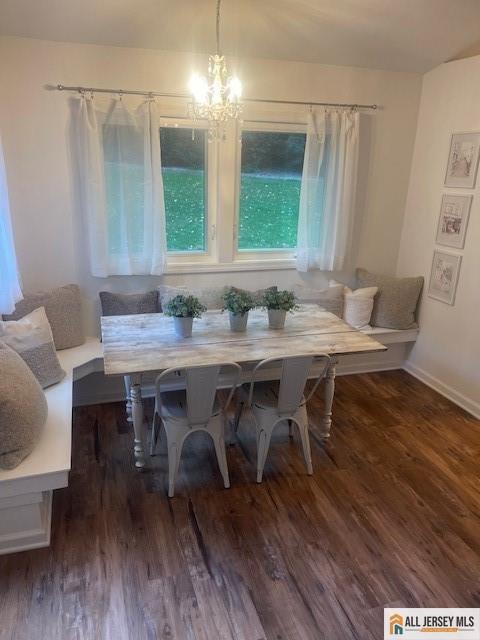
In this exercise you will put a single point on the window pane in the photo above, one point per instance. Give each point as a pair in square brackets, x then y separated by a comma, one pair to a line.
[183, 171]
[271, 174]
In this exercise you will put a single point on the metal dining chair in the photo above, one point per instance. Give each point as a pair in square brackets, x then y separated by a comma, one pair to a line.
[195, 408]
[273, 403]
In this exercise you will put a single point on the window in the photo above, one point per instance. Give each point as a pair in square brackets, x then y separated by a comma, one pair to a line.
[228, 204]
[270, 180]
[184, 184]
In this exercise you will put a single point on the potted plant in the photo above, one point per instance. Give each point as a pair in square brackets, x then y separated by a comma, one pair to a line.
[184, 309]
[277, 304]
[238, 303]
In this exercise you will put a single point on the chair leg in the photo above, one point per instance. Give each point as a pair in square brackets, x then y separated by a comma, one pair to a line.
[263, 445]
[216, 429]
[156, 428]
[175, 438]
[238, 415]
[306, 447]
[219, 442]
[173, 463]
[290, 428]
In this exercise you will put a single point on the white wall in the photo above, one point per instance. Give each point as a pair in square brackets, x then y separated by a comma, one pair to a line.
[447, 352]
[34, 125]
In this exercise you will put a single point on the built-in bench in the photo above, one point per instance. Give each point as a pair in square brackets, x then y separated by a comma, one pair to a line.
[26, 491]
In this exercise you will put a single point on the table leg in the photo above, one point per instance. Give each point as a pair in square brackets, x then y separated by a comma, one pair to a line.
[137, 418]
[128, 399]
[329, 392]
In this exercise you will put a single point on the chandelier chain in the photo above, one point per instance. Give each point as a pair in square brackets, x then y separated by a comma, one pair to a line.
[218, 27]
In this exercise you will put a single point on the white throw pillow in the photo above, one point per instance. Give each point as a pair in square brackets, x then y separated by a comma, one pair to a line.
[328, 299]
[31, 337]
[358, 305]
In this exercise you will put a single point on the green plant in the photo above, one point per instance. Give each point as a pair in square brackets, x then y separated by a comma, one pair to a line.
[284, 300]
[184, 307]
[238, 301]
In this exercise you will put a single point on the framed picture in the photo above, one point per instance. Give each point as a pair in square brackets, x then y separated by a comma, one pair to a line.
[463, 160]
[444, 276]
[453, 220]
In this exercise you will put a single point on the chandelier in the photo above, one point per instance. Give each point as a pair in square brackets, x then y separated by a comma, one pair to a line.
[216, 98]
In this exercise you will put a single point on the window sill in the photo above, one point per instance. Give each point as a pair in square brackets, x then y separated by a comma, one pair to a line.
[226, 267]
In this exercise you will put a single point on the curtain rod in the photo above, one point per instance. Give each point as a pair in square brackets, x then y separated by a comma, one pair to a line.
[61, 87]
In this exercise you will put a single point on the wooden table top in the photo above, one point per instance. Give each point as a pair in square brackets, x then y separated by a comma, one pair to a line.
[147, 342]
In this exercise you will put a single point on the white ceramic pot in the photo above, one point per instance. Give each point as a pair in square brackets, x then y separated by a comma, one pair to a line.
[238, 321]
[276, 318]
[183, 327]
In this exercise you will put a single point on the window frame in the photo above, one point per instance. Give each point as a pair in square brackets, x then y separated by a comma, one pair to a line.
[208, 256]
[275, 254]
[223, 179]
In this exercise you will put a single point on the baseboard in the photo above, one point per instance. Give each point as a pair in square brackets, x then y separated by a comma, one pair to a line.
[444, 389]
[361, 367]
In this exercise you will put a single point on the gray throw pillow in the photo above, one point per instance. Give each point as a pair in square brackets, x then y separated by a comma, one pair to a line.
[328, 299]
[125, 304]
[258, 293]
[31, 337]
[395, 305]
[64, 312]
[23, 409]
[211, 297]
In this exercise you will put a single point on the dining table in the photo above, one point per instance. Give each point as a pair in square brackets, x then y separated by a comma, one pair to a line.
[134, 345]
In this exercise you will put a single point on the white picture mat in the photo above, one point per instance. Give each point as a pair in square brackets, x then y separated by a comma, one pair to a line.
[453, 220]
[444, 276]
[462, 162]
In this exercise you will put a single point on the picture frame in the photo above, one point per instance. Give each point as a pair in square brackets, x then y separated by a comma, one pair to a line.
[453, 220]
[462, 162]
[444, 276]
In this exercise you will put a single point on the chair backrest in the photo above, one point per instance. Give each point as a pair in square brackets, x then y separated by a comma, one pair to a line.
[201, 383]
[293, 378]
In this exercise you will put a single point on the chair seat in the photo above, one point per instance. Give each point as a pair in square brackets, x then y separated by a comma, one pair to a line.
[174, 405]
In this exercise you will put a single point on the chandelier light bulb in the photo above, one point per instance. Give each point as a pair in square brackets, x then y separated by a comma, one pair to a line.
[235, 88]
[198, 87]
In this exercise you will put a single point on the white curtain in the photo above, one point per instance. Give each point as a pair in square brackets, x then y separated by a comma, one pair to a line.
[10, 291]
[327, 196]
[121, 186]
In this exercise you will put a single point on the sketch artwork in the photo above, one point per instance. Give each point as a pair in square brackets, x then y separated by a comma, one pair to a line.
[453, 220]
[444, 276]
[463, 160]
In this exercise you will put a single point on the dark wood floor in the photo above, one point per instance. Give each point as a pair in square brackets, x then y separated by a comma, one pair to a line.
[390, 518]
